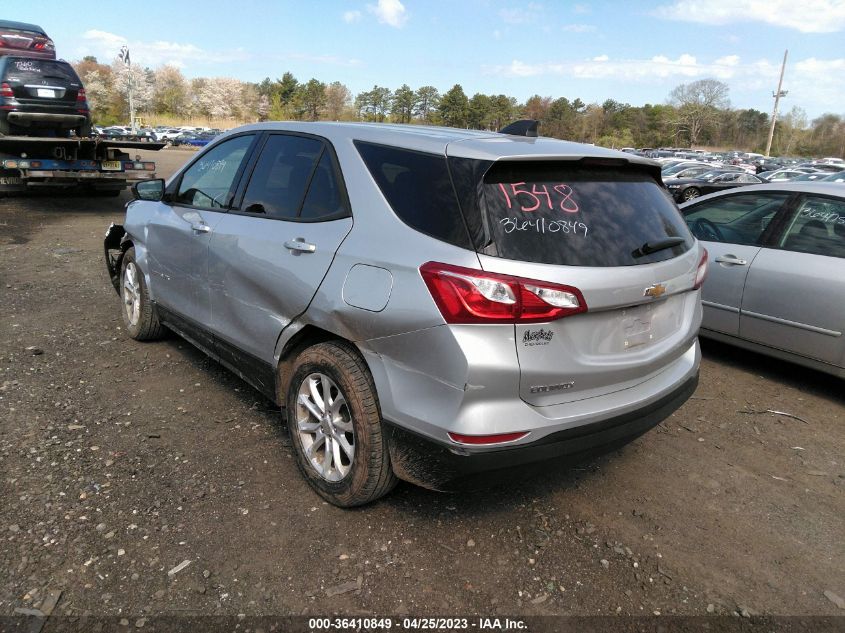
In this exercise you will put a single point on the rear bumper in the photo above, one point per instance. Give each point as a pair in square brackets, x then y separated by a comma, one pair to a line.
[433, 465]
[46, 120]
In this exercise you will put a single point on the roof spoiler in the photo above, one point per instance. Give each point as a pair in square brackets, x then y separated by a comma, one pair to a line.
[523, 127]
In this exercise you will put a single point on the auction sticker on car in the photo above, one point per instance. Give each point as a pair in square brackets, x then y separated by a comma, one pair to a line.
[46, 92]
[111, 165]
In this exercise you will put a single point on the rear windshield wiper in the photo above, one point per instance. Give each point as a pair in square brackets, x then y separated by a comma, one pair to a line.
[658, 245]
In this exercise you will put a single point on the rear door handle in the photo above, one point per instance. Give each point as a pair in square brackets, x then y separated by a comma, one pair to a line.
[199, 227]
[731, 259]
[300, 245]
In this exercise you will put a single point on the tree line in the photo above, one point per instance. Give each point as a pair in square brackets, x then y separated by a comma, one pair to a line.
[696, 114]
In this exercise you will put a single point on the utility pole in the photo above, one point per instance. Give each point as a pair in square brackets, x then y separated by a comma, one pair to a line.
[124, 57]
[777, 95]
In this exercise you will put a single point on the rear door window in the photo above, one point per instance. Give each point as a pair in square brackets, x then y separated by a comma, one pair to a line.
[818, 227]
[558, 213]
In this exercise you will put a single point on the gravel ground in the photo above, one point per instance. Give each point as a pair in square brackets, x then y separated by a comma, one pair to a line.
[144, 479]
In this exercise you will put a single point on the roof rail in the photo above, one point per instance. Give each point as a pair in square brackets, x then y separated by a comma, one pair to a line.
[523, 127]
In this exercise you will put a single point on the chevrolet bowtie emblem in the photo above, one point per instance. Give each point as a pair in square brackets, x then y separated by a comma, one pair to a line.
[655, 291]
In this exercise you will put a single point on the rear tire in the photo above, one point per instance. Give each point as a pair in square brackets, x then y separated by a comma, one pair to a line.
[690, 193]
[139, 313]
[5, 128]
[83, 131]
[334, 421]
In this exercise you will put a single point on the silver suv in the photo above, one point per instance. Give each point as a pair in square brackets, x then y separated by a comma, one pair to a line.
[427, 304]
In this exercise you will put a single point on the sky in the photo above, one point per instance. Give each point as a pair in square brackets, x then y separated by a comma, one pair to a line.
[633, 52]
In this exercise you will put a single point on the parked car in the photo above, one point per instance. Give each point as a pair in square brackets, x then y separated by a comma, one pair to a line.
[41, 94]
[109, 133]
[835, 177]
[779, 175]
[197, 140]
[25, 40]
[776, 280]
[686, 172]
[708, 182]
[670, 169]
[168, 134]
[813, 176]
[534, 309]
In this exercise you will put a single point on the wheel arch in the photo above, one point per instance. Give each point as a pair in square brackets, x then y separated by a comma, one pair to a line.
[304, 336]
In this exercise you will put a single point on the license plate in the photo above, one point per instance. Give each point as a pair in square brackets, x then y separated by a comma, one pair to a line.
[46, 92]
[636, 326]
[111, 165]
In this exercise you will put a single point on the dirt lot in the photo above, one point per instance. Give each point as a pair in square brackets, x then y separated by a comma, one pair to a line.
[120, 460]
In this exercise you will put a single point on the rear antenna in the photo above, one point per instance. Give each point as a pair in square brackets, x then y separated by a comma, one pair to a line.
[523, 127]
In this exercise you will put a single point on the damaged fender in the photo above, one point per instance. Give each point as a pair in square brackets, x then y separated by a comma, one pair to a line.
[112, 248]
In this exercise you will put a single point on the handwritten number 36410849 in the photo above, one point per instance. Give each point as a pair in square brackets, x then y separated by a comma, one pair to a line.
[539, 195]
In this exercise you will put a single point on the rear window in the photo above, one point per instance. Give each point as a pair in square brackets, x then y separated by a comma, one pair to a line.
[558, 213]
[24, 70]
[418, 188]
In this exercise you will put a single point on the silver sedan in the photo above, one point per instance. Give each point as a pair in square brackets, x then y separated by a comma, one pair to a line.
[776, 281]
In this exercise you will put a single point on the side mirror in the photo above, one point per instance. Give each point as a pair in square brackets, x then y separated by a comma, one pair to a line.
[152, 190]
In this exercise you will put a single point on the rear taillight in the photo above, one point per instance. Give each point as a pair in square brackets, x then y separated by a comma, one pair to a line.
[466, 295]
[701, 272]
[6, 91]
[81, 101]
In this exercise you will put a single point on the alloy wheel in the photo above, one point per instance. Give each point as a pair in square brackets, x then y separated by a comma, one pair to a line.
[131, 293]
[324, 427]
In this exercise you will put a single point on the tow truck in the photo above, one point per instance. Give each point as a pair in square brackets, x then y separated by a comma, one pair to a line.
[98, 166]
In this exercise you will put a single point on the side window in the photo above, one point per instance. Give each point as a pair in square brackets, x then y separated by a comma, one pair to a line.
[281, 175]
[324, 199]
[418, 188]
[209, 182]
[818, 228]
[739, 219]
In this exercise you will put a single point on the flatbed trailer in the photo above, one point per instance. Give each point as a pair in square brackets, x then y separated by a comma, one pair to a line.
[98, 166]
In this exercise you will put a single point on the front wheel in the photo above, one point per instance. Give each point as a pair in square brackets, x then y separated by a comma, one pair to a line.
[335, 425]
[691, 192]
[139, 313]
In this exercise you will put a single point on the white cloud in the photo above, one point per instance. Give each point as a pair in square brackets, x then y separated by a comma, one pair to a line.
[579, 28]
[391, 12]
[105, 46]
[728, 60]
[331, 60]
[806, 16]
[351, 16]
[521, 15]
[812, 80]
[581, 8]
